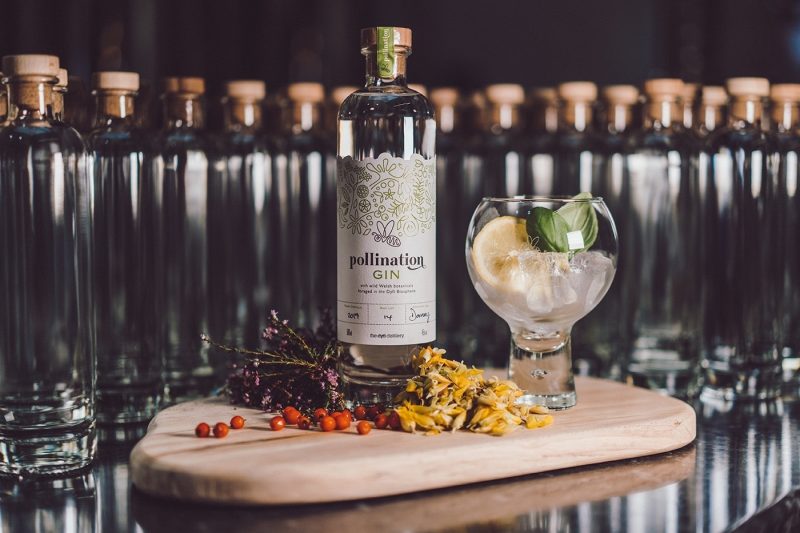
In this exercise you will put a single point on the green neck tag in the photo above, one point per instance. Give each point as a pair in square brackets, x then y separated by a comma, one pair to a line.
[387, 66]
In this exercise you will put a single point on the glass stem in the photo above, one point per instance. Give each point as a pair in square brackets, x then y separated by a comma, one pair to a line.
[541, 364]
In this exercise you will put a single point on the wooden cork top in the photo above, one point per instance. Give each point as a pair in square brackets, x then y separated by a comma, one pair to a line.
[246, 89]
[115, 81]
[30, 65]
[578, 91]
[620, 94]
[184, 85]
[306, 92]
[444, 96]
[63, 78]
[505, 93]
[402, 37]
[748, 86]
[785, 92]
[714, 95]
[664, 87]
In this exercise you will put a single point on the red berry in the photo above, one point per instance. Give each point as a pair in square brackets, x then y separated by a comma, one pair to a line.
[277, 423]
[360, 412]
[304, 423]
[202, 430]
[319, 413]
[394, 420]
[221, 429]
[237, 422]
[288, 409]
[372, 412]
[342, 421]
[327, 423]
[363, 427]
[381, 421]
[292, 417]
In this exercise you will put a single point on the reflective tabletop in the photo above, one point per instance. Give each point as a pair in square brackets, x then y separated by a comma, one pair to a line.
[742, 473]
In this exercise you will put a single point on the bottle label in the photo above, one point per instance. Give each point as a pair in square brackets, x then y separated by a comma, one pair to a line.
[386, 250]
[387, 66]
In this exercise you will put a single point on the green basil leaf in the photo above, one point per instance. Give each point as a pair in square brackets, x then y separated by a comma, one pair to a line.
[580, 216]
[547, 230]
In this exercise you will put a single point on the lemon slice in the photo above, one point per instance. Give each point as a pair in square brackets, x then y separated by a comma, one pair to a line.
[496, 253]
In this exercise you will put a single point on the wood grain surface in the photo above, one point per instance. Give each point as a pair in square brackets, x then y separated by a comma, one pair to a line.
[258, 466]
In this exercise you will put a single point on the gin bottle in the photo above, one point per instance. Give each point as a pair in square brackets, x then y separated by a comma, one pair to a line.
[663, 252]
[192, 223]
[577, 163]
[126, 239]
[786, 127]
[47, 350]
[247, 191]
[386, 222]
[540, 149]
[745, 249]
[711, 114]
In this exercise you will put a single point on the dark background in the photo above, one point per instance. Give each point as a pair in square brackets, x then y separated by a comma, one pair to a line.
[467, 43]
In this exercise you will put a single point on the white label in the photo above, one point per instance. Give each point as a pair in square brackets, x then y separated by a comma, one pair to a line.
[386, 250]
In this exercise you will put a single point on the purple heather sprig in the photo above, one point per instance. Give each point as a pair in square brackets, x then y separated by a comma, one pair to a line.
[297, 368]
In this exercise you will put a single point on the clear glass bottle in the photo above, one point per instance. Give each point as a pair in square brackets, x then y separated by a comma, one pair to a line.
[455, 295]
[336, 98]
[303, 208]
[689, 99]
[663, 252]
[386, 222]
[711, 114]
[247, 185]
[126, 192]
[59, 91]
[194, 230]
[785, 110]
[600, 335]
[540, 146]
[47, 357]
[577, 164]
[745, 250]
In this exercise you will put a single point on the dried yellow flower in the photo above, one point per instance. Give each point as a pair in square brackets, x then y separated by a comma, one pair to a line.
[446, 395]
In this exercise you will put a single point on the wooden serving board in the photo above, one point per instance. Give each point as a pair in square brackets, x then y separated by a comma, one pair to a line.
[256, 466]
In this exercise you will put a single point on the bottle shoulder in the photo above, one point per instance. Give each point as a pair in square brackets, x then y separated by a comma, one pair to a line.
[52, 135]
[386, 102]
[746, 139]
[664, 140]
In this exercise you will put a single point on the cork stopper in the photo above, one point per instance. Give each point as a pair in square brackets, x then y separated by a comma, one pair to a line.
[673, 87]
[620, 94]
[418, 87]
[785, 92]
[115, 81]
[444, 96]
[30, 65]
[340, 94]
[714, 95]
[63, 79]
[543, 94]
[748, 86]
[184, 85]
[246, 89]
[306, 92]
[369, 36]
[578, 91]
[505, 93]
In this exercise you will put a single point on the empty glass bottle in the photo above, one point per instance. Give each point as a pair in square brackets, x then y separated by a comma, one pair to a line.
[193, 231]
[47, 357]
[786, 127]
[689, 99]
[577, 158]
[663, 251]
[541, 142]
[303, 207]
[711, 114]
[127, 237]
[59, 91]
[248, 189]
[745, 250]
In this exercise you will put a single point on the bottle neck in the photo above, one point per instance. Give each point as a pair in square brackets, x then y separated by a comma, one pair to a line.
[396, 75]
[688, 114]
[113, 106]
[3, 103]
[305, 116]
[710, 117]
[576, 116]
[242, 114]
[745, 111]
[502, 116]
[544, 117]
[662, 113]
[785, 115]
[619, 118]
[30, 99]
[183, 111]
